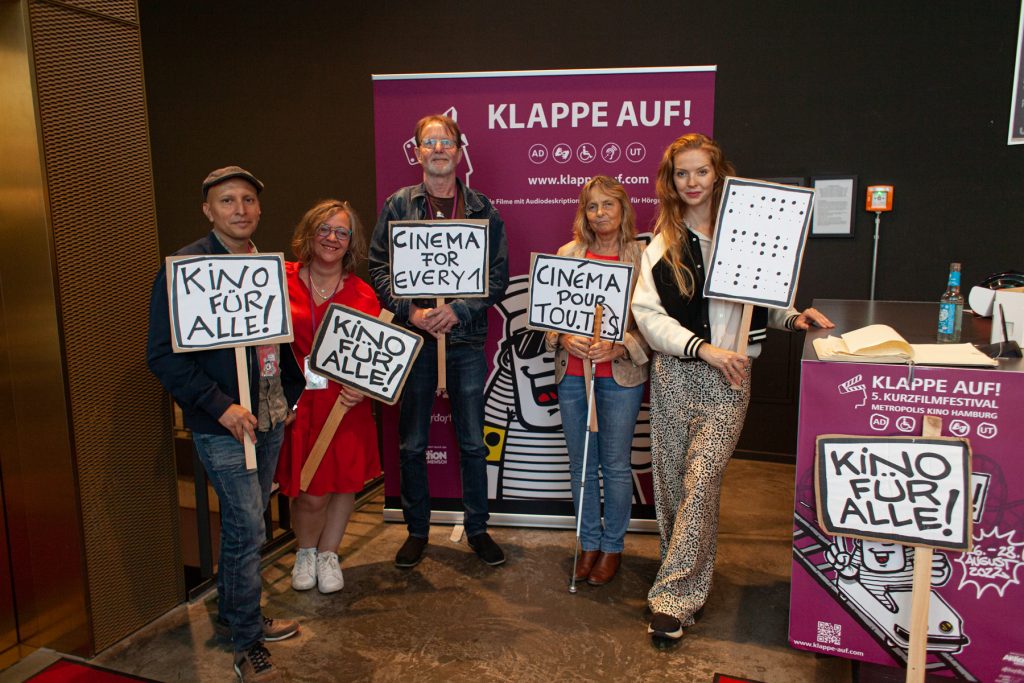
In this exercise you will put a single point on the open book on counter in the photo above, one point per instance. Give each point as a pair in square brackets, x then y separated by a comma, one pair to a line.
[882, 344]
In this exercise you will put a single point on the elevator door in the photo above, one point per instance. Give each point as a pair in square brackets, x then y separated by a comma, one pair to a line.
[8, 619]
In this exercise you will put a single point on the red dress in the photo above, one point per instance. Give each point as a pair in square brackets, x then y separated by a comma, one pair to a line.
[352, 457]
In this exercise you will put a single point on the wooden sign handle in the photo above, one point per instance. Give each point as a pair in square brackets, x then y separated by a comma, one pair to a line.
[917, 653]
[242, 368]
[588, 368]
[323, 440]
[316, 455]
[442, 359]
[744, 334]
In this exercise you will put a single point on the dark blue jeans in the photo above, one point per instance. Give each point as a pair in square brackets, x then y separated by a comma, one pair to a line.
[243, 495]
[610, 451]
[467, 372]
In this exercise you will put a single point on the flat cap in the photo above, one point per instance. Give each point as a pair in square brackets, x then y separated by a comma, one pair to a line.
[220, 175]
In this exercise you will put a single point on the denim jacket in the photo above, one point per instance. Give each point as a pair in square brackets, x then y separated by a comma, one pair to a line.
[410, 204]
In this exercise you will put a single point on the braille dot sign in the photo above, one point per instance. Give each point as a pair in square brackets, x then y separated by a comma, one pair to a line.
[759, 241]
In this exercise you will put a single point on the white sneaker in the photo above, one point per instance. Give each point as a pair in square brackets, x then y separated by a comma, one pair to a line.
[328, 573]
[304, 571]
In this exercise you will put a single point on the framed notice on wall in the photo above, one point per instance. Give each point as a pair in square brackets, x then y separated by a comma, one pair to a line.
[833, 206]
[1016, 136]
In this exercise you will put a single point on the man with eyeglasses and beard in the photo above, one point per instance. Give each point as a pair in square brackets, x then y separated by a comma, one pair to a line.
[463, 325]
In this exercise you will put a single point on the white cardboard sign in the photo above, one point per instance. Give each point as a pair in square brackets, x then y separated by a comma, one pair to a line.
[227, 300]
[364, 353]
[759, 242]
[439, 258]
[910, 490]
[564, 292]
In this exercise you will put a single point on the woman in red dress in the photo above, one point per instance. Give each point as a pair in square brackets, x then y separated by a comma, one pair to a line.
[327, 242]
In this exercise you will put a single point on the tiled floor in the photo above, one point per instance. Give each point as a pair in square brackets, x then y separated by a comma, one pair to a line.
[453, 618]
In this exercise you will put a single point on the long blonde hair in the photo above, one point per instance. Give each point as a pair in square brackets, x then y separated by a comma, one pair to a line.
[671, 207]
[581, 229]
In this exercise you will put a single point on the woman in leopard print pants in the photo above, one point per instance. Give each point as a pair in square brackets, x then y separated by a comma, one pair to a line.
[696, 418]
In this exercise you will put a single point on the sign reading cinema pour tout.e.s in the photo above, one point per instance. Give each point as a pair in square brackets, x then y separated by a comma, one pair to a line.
[564, 293]
[227, 300]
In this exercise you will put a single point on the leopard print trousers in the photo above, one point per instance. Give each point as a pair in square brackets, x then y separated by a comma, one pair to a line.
[696, 420]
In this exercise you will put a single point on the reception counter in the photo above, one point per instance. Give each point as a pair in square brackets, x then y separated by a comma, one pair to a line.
[851, 598]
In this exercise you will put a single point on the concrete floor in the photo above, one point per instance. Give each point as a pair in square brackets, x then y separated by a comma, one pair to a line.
[453, 618]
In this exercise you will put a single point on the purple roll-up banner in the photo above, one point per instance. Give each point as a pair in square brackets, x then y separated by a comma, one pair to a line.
[530, 140]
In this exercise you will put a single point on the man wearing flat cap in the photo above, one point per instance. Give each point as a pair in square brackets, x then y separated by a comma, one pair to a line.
[205, 386]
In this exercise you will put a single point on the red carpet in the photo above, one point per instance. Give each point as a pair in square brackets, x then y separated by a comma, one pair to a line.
[722, 678]
[67, 671]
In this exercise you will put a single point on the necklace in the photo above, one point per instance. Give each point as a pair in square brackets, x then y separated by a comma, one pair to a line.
[322, 292]
[439, 205]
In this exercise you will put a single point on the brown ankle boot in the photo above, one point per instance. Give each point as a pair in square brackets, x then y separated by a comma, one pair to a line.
[585, 563]
[604, 569]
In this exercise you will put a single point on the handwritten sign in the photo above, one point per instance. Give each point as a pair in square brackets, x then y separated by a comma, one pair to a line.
[910, 490]
[439, 258]
[364, 353]
[227, 300]
[759, 242]
[565, 290]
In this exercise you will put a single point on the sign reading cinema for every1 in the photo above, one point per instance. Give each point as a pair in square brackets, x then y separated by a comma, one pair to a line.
[439, 258]
[227, 300]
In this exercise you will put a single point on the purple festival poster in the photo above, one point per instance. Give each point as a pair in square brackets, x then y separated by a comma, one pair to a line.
[530, 140]
[850, 597]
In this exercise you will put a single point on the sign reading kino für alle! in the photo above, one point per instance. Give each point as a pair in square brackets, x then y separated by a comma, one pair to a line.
[439, 258]
[564, 292]
[227, 300]
[364, 353]
[910, 490]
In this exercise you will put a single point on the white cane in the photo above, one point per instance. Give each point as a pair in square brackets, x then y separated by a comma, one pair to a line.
[591, 429]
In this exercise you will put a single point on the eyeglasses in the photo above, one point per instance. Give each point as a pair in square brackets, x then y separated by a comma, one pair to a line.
[340, 234]
[429, 143]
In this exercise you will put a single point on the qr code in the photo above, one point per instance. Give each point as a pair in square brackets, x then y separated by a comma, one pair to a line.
[831, 634]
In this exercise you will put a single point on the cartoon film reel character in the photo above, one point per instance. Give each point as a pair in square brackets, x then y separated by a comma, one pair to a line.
[877, 579]
[522, 425]
[882, 567]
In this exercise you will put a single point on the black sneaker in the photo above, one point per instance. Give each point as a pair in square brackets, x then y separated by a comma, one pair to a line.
[486, 549]
[665, 626]
[273, 629]
[255, 665]
[411, 552]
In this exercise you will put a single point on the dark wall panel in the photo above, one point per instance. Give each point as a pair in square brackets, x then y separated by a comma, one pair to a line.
[919, 100]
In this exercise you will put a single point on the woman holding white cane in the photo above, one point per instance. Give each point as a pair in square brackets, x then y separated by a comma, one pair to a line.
[326, 242]
[696, 415]
[604, 229]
